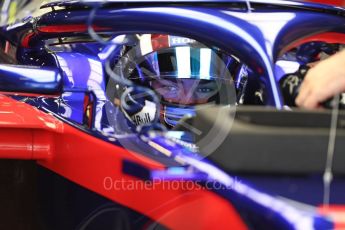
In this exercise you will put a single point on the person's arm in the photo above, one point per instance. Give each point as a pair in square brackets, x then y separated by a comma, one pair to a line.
[322, 82]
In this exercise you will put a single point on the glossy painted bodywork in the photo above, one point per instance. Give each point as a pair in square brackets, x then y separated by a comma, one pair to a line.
[107, 161]
[25, 132]
[294, 4]
[85, 154]
[27, 79]
[237, 32]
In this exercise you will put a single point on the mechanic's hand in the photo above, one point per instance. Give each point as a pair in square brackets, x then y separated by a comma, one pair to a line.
[322, 82]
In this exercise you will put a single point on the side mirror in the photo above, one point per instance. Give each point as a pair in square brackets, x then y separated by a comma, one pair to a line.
[30, 79]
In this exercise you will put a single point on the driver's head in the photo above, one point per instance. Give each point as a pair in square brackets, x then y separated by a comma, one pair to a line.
[183, 73]
[185, 91]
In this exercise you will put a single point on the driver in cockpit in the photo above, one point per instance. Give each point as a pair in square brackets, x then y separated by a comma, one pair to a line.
[183, 73]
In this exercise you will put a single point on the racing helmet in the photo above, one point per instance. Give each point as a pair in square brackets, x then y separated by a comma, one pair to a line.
[185, 75]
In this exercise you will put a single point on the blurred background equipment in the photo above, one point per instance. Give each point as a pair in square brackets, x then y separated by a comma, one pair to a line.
[12, 10]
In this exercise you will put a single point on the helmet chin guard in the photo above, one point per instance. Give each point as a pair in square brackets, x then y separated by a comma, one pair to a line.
[171, 114]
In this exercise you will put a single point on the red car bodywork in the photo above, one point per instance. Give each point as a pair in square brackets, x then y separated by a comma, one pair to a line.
[28, 133]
